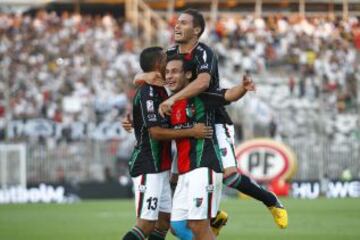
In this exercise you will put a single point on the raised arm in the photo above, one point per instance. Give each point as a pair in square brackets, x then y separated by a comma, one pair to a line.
[221, 97]
[235, 93]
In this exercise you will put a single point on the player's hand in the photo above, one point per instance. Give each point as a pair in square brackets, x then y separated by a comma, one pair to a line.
[200, 130]
[152, 78]
[127, 123]
[155, 78]
[165, 107]
[248, 83]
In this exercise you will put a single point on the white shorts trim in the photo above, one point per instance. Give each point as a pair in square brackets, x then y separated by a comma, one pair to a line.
[152, 195]
[197, 195]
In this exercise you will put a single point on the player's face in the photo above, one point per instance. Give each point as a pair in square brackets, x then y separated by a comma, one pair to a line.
[175, 76]
[184, 29]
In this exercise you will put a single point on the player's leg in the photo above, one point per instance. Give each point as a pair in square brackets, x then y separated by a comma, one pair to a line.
[161, 227]
[202, 202]
[179, 225]
[201, 229]
[242, 183]
[221, 218]
[181, 229]
[163, 223]
[141, 230]
[147, 194]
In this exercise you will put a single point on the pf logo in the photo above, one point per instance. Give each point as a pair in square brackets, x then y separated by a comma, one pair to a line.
[265, 160]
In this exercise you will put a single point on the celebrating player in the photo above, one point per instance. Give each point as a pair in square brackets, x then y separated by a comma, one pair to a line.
[197, 195]
[151, 159]
[190, 25]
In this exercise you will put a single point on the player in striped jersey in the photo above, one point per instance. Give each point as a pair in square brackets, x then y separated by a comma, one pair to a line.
[197, 195]
[189, 27]
[151, 159]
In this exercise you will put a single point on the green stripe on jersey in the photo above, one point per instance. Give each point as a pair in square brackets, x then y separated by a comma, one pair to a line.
[199, 108]
[218, 152]
[133, 158]
[137, 97]
[199, 151]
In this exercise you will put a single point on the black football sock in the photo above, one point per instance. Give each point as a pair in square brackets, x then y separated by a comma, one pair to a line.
[135, 234]
[245, 185]
[157, 235]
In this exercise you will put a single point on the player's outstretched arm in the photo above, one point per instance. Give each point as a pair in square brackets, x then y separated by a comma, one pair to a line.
[237, 92]
[199, 130]
[194, 88]
[151, 78]
[199, 85]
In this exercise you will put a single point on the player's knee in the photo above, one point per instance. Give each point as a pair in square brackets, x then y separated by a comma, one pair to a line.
[163, 222]
[146, 226]
[198, 226]
[181, 230]
[230, 170]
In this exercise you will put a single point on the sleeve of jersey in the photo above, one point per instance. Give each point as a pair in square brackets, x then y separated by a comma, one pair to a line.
[149, 107]
[205, 60]
[214, 99]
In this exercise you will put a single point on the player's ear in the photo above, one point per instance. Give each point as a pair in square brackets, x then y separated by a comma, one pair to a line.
[197, 31]
[188, 75]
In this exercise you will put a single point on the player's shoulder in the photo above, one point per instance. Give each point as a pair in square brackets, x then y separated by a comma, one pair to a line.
[150, 90]
[202, 47]
[146, 88]
[172, 50]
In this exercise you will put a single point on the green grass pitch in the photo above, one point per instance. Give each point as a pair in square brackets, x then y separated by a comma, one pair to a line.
[321, 219]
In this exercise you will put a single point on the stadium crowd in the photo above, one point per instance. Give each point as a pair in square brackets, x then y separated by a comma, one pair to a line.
[79, 67]
[316, 58]
[66, 68]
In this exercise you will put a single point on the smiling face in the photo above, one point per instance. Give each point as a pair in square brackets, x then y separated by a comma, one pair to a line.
[176, 77]
[185, 30]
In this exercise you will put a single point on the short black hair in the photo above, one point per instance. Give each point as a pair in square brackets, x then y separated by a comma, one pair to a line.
[149, 57]
[188, 66]
[198, 19]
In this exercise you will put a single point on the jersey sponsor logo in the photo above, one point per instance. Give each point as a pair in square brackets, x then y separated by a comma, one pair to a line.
[151, 92]
[142, 188]
[183, 126]
[150, 105]
[266, 160]
[204, 66]
[152, 117]
[198, 201]
[210, 188]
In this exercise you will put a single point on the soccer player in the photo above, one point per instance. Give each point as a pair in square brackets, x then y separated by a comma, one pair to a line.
[151, 159]
[197, 195]
[189, 27]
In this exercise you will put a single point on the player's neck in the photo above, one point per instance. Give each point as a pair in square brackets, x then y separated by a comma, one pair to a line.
[189, 46]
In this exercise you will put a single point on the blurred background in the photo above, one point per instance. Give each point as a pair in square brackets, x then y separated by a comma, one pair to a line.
[66, 82]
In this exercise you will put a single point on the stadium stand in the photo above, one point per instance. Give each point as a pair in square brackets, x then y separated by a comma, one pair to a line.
[77, 68]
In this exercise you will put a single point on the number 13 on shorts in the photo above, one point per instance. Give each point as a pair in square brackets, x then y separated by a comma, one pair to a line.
[152, 194]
